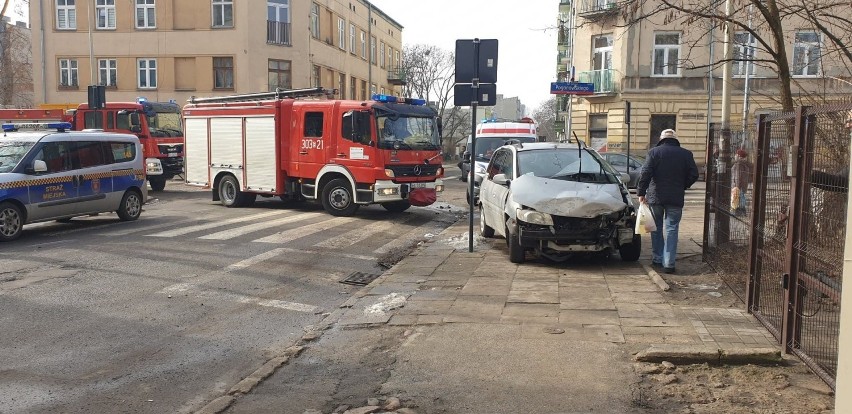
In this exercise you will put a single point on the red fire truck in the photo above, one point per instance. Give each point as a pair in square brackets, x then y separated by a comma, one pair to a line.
[343, 153]
[157, 124]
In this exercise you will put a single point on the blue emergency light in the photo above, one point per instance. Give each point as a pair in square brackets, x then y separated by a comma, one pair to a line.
[59, 126]
[394, 99]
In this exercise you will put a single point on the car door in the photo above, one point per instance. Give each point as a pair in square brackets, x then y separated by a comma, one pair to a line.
[54, 193]
[486, 188]
[93, 177]
[501, 163]
[501, 193]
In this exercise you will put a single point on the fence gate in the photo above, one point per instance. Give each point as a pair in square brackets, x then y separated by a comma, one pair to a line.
[795, 227]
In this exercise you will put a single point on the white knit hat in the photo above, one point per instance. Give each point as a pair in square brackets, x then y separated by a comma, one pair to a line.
[668, 133]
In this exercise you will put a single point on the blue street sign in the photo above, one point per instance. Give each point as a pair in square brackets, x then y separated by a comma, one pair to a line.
[572, 88]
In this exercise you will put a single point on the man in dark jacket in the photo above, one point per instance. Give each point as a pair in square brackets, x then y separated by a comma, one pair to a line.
[668, 171]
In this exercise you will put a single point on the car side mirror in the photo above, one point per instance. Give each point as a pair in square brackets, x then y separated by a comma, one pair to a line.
[501, 179]
[39, 166]
[625, 178]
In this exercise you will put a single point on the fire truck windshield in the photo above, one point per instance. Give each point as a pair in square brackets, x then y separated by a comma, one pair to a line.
[11, 153]
[165, 124]
[407, 132]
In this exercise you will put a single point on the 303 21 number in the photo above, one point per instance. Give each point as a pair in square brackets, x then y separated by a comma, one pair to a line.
[309, 144]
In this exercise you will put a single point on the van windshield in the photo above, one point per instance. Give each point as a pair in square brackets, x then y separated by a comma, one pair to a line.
[11, 153]
[407, 133]
[485, 146]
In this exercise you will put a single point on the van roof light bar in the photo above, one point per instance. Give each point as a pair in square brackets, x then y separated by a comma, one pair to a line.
[265, 96]
[36, 126]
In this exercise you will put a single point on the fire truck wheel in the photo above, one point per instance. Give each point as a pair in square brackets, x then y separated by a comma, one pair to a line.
[11, 221]
[157, 183]
[396, 206]
[130, 207]
[230, 194]
[337, 198]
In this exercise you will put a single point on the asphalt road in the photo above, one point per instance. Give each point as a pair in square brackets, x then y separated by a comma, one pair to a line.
[167, 313]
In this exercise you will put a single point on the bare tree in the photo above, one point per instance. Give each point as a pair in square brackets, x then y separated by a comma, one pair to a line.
[545, 117]
[16, 82]
[768, 21]
[457, 125]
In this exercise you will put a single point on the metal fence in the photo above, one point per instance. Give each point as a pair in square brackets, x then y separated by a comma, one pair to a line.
[776, 235]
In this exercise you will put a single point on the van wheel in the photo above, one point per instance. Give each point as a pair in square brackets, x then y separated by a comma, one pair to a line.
[157, 183]
[131, 206]
[11, 221]
[337, 198]
[230, 194]
[631, 252]
[396, 206]
[484, 229]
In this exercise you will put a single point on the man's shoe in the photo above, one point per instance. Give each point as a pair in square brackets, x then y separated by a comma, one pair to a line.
[656, 265]
[669, 270]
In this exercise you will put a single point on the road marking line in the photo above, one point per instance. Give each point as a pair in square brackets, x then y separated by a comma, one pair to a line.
[254, 260]
[233, 297]
[357, 235]
[290, 235]
[207, 226]
[135, 227]
[417, 233]
[239, 231]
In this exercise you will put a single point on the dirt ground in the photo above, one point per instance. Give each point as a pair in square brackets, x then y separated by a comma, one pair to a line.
[786, 388]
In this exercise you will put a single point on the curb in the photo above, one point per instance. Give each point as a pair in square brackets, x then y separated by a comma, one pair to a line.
[692, 354]
[657, 278]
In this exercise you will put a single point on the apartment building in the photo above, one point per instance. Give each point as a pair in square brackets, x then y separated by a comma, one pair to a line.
[16, 83]
[174, 49]
[661, 68]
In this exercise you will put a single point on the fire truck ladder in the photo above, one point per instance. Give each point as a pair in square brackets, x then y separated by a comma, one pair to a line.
[265, 96]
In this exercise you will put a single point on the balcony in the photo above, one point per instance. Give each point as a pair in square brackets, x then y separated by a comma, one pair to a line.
[605, 80]
[397, 76]
[592, 9]
[278, 33]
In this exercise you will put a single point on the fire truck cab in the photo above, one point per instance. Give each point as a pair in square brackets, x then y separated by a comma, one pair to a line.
[342, 153]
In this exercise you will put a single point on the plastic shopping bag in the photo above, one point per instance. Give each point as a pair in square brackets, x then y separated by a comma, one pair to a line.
[645, 220]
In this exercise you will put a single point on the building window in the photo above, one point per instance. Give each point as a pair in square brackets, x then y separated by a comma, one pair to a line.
[363, 45]
[315, 21]
[341, 33]
[744, 47]
[223, 73]
[280, 75]
[352, 39]
[382, 55]
[146, 15]
[278, 22]
[373, 50]
[396, 59]
[341, 85]
[315, 76]
[597, 131]
[223, 13]
[363, 90]
[66, 15]
[666, 54]
[602, 54]
[147, 69]
[806, 54]
[105, 10]
[352, 88]
[68, 73]
[108, 72]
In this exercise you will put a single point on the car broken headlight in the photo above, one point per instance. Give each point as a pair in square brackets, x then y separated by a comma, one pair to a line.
[535, 217]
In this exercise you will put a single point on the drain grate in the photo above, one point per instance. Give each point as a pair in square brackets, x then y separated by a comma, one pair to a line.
[360, 278]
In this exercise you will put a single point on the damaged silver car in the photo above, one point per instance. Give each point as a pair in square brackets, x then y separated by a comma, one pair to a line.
[557, 200]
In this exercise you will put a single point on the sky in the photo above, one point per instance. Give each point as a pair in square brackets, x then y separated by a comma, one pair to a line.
[12, 11]
[525, 30]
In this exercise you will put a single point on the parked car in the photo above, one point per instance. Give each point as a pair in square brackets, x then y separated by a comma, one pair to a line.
[620, 161]
[557, 200]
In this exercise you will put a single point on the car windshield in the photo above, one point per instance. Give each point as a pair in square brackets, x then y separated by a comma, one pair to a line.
[566, 164]
[407, 133]
[11, 153]
[165, 124]
[485, 146]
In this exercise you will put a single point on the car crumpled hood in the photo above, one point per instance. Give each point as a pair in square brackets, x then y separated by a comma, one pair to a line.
[567, 198]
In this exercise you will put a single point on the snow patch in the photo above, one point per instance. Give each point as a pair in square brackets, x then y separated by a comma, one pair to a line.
[387, 303]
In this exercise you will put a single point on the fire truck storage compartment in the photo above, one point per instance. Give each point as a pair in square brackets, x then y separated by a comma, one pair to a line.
[197, 156]
[261, 157]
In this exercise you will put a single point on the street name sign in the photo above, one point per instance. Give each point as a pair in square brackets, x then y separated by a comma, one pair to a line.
[572, 88]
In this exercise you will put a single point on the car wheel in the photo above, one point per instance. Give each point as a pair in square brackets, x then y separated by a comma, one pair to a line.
[516, 251]
[396, 206]
[484, 229]
[631, 252]
[11, 221]
[229, 192]
[131, 206]
[157, 183]
[337, 198]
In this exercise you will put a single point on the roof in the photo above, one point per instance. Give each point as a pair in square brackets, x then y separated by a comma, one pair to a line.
[532, 146]
[35, 136]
